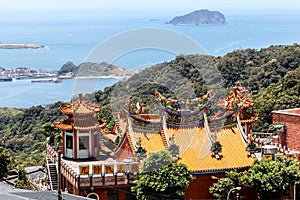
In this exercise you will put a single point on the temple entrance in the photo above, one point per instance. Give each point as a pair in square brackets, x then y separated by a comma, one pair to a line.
[93, 196]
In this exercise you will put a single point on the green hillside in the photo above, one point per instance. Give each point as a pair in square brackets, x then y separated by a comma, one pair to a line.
[272, 75]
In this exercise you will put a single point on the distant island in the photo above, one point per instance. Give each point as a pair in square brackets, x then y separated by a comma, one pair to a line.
[68, 71]
[200, 17]
[20, 46]
[90, 70]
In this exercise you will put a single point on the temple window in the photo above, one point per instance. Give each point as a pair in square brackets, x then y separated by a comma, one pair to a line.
[69, 142]
[82, 117]
[83, 142]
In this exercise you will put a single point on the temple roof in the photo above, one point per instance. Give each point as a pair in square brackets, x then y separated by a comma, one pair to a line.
[71, 124]
[195, 141]
[195, 153]
[247, 117]
[80, 107]
[240, 95]
[194, 148]
[152, 142]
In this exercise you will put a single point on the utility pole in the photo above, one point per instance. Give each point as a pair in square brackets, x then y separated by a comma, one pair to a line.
[59, 197]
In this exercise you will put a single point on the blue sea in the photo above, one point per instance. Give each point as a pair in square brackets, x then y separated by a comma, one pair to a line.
[74, 41]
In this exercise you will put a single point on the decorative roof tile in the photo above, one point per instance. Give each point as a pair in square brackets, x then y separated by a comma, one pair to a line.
[151, 142]
[194, 150]
[80, 107]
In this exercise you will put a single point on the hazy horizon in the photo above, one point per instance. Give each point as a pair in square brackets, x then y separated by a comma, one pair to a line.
[34, 10]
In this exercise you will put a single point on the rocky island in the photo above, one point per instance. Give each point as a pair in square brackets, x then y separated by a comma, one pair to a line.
[200, 17]
[96, 70]
[20, 46]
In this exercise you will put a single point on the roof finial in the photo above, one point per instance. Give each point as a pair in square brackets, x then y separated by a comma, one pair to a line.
[80, 96]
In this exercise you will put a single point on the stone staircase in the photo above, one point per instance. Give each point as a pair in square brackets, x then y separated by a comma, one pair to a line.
[52, 174]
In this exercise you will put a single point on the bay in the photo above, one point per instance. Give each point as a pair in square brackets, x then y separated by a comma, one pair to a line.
[24, 94]
[72, 41]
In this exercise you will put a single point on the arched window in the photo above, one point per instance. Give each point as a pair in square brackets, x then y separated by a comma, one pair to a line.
[93, 196]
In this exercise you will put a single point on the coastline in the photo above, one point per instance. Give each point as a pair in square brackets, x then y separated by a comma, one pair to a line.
[99, 77]
[21, 46]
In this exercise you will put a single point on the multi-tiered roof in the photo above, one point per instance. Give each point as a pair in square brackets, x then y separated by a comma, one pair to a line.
[195, 139]
[76, 111]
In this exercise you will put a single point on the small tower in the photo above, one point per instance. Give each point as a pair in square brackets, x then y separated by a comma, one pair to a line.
[80, 131]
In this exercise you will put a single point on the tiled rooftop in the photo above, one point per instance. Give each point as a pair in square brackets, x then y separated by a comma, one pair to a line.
[195, 150]
[152, 142]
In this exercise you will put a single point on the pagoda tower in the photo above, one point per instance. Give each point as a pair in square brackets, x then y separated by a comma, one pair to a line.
[80, 130]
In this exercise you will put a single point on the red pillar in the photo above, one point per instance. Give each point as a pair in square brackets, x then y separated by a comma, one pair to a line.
[63, 143]
[75, 144]
[93, 143]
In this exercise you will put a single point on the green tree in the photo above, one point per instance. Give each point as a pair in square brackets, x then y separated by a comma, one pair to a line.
[233, 179]
[273, 179]
[162, 178]
[270, 179]
[23, 182]
[5, 161]
[49, 130]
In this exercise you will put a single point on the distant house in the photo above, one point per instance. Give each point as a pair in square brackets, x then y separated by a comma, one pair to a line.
[288, 124]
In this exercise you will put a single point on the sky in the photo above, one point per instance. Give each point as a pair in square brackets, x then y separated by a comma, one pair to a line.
[23, 9]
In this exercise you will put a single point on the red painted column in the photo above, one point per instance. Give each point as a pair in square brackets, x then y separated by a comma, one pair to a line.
[63, 143]
[75, 144]
[93, 143]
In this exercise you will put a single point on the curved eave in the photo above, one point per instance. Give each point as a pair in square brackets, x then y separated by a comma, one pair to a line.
[64, 127]
[121, 143]
[218, 170]
[251, 120]
[110, 136]
[85, 128]
[66, 110]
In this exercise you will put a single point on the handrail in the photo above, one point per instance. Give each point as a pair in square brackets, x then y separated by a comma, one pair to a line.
[49, 175]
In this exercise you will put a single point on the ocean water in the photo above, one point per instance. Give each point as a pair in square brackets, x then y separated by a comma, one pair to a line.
[72, 41]
[23, 93]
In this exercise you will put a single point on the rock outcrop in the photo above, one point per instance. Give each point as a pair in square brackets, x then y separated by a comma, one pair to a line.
[200, 17]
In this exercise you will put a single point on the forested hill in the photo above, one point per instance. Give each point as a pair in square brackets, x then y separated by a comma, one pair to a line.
[257, 69]
[272, 75]
[185, 77]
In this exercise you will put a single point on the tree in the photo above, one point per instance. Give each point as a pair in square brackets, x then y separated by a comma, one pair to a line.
[270, 179]
[273, 179]
[233, 179]
[23, 182]
[162, 178]
[49, 130]
[5, 161]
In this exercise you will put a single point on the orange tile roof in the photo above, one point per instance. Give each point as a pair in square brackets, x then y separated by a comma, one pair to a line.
[247, 117]
[69, 124]
[151, 142]
[80, 107]
[194, 150]
[111, 136]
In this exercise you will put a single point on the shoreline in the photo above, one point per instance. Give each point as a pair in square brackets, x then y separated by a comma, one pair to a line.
[99, 77]
[21, 46]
